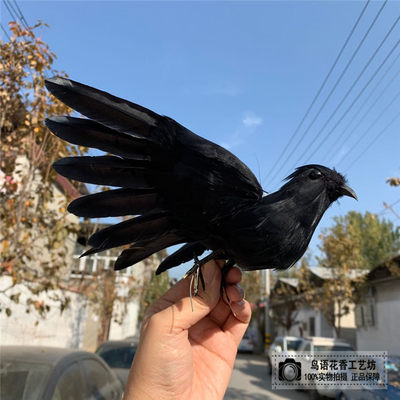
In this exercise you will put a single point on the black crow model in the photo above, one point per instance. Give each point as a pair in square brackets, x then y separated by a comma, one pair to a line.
[182, 188]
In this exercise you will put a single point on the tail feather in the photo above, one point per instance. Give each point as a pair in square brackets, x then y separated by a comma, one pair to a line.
[104, 170]
[142, 250]
[143, 228]
[116, 113]
[115, 203]
[184, 254]
[88, 133]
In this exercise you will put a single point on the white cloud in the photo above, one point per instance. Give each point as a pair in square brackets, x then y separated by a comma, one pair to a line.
[248, 124]
[234, 142]
[251, 120]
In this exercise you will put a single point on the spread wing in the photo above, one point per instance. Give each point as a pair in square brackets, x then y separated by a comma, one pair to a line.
[179, 183]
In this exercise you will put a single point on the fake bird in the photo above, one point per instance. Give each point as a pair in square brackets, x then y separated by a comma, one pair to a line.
[182, 188]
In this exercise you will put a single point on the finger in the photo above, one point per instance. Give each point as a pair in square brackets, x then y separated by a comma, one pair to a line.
[180, 290]
[221, 312]
[180, 315]
[234, 275]
[235, 292]
[237, 324]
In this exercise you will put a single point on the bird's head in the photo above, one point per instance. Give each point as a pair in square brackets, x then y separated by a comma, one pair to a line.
[311, 182]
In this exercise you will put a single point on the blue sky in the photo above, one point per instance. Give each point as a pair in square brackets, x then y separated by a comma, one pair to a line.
[243, 74]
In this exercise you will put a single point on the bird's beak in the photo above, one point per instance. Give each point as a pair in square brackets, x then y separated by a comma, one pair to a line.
[348, 191]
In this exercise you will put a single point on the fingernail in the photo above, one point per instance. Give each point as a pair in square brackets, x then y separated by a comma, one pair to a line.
[241, 303]
[209, 272]
[240, 289]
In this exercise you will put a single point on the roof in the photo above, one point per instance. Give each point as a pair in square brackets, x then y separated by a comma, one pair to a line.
[294, 282]
[39, 354]
[329, 273]
[323, 273]
[388, 270]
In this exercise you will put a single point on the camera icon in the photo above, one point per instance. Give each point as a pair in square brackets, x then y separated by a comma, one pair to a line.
[289, 370]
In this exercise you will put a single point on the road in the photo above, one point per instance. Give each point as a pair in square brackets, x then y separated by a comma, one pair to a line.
[250, 381]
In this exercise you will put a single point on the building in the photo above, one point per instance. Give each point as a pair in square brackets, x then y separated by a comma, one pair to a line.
[377, 315]
[127, 285]
[304, 320]
[79, 324]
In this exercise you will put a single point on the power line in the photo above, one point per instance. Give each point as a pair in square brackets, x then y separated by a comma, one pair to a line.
[350, 90]
[319, 90]
[370, 127]
[370, 108]
[339, 139]
[14, 17]
[375, 139]
[387, 206]
[5, 32]
[335, 85]
[23, 19]
[354, 101]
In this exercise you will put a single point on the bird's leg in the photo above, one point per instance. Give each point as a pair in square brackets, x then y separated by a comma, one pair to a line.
[228, 265]
[197, 275]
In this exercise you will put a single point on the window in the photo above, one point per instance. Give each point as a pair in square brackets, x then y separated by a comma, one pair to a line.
[312, 326]
[100, 382]
[292, 344]
[22, 380]
[70, 385]
[359, 316]
[120, 357]
[307, 346]
[369, 314]
[365, 314]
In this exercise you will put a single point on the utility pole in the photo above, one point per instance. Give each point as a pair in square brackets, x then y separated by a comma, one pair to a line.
[267, 338]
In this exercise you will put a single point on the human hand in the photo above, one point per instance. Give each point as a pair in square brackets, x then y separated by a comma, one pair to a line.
[185, 354]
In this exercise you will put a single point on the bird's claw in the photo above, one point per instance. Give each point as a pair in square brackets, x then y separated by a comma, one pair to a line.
[226, 297]
[196, 277]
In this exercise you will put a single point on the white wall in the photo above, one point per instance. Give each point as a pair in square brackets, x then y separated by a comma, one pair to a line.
[385, 334]
[305, 313]
[129, 326]
[59, 330]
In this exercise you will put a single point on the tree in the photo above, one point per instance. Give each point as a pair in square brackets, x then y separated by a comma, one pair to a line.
[394, 181]
[333, 295]
[284, 304]
[359, 241]
[35, 224]
[355, 244]
[252, 284]
[108, 293]
[286, 296]
[154, 286]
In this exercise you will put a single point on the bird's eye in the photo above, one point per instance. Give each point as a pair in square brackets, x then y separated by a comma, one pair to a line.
[315, 174]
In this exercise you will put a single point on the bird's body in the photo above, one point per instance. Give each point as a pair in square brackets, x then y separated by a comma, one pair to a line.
[183, 188]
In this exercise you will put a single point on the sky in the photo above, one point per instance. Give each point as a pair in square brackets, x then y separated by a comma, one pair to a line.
[244, 74]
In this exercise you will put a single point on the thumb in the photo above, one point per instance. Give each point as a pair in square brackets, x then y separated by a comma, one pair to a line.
[180, 315]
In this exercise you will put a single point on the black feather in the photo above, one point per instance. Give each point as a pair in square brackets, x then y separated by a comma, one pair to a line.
[88, 133]
[115, 203]
[140, 251]
[102, 107]
[184, 254]
[104, 170]
[143, 228]
[188, 189]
